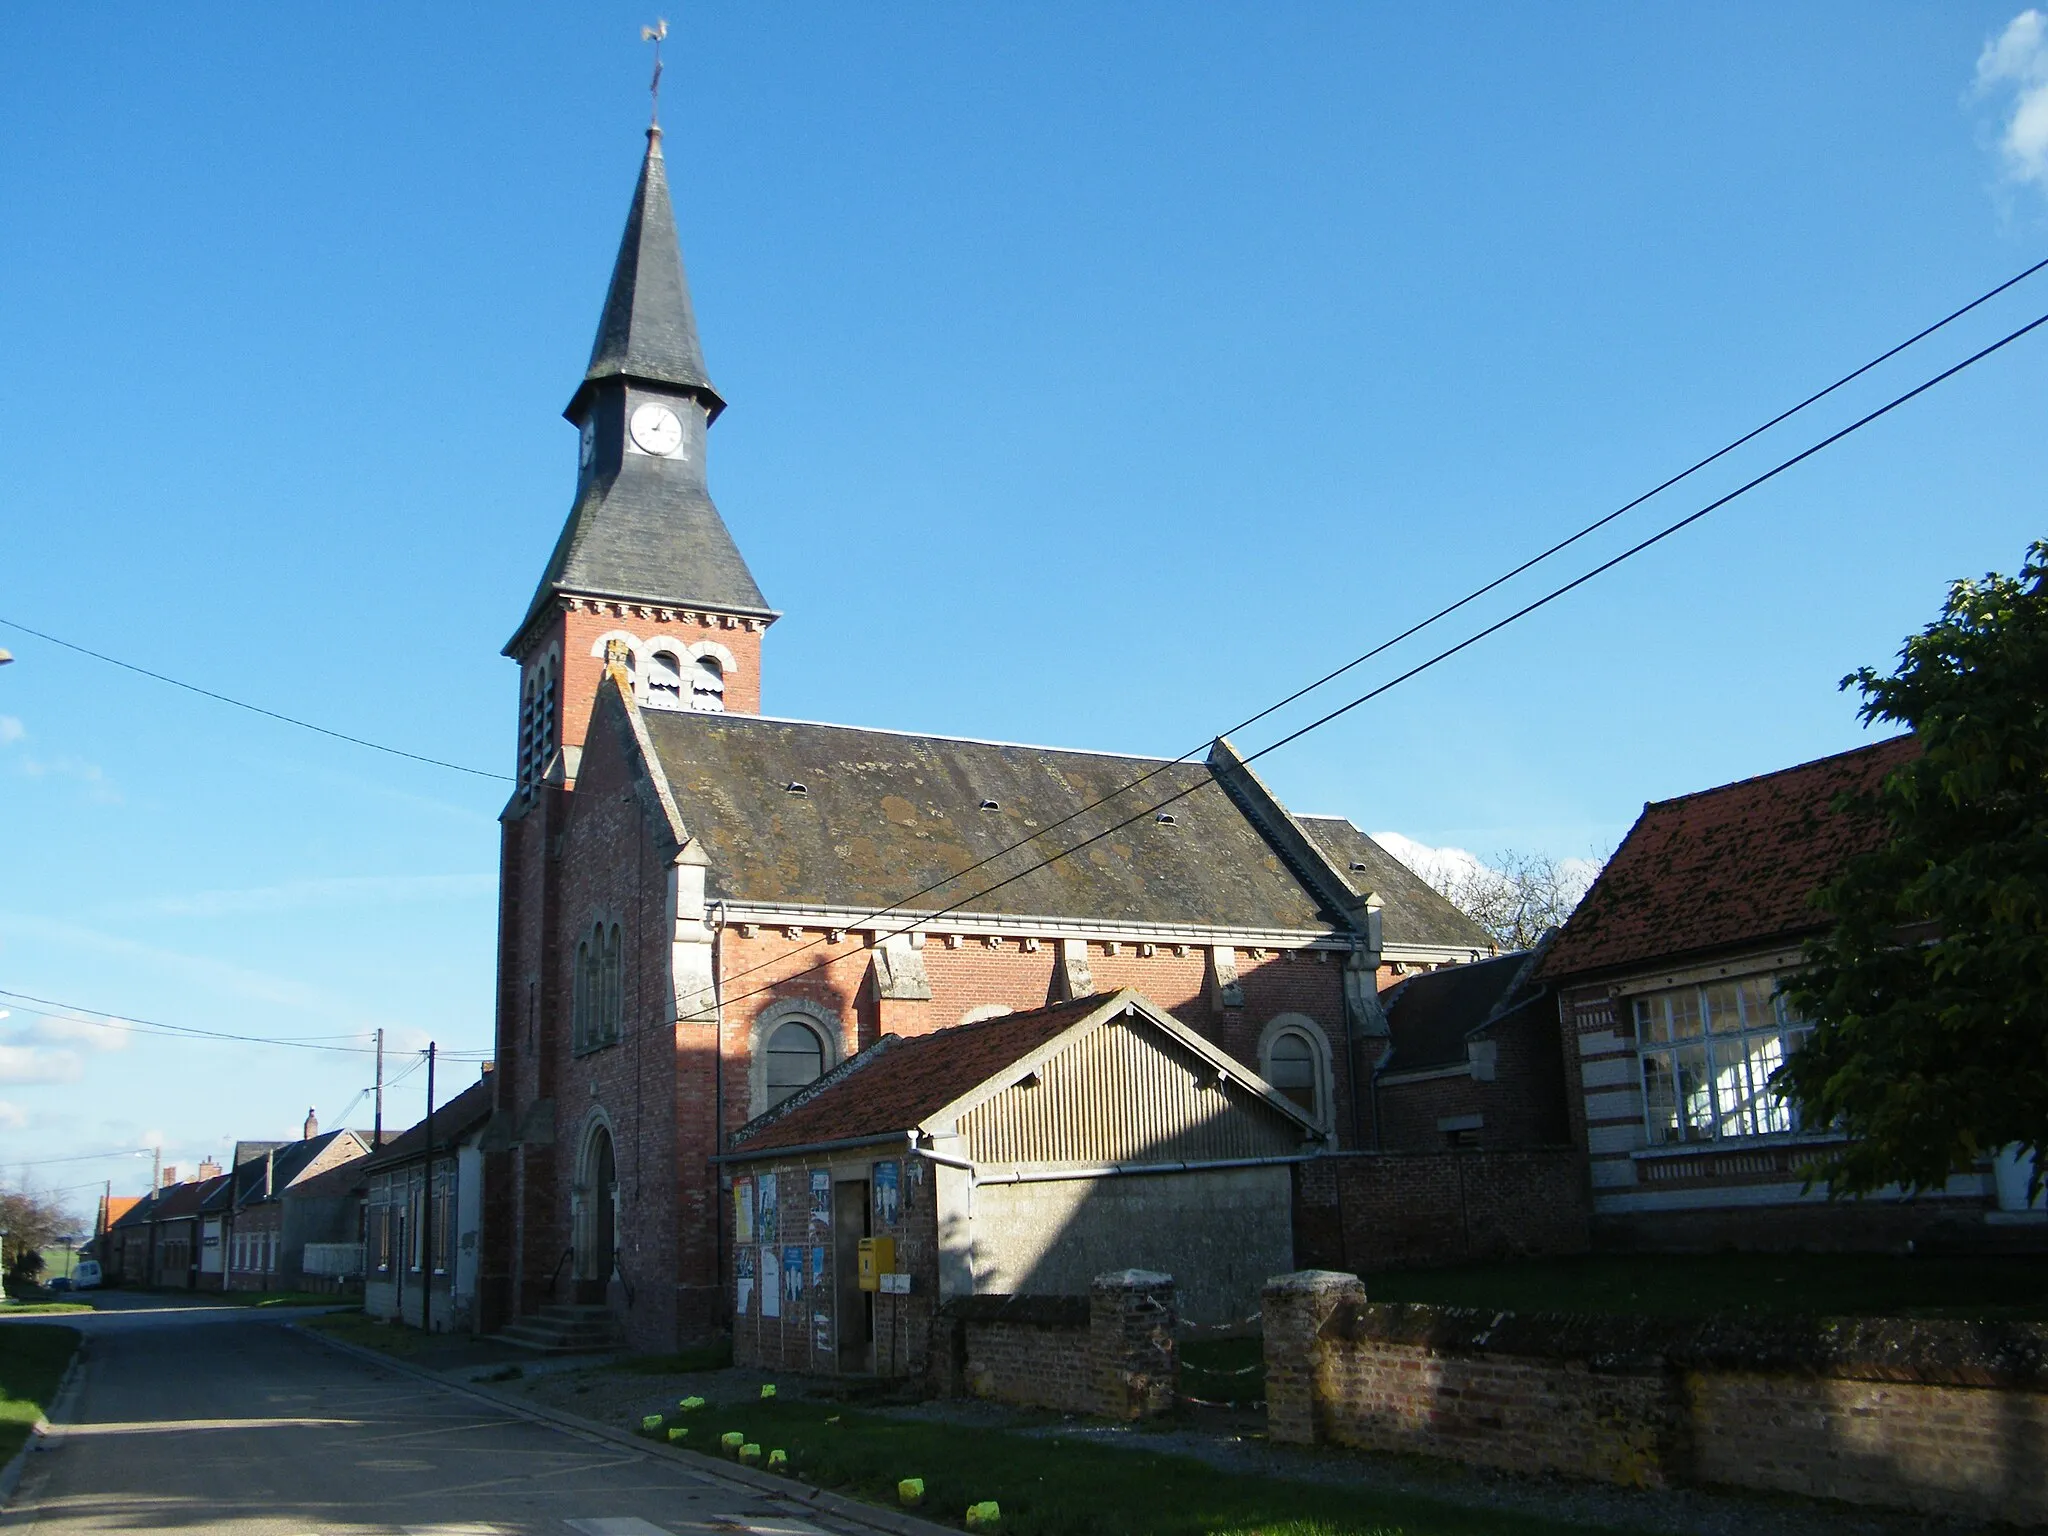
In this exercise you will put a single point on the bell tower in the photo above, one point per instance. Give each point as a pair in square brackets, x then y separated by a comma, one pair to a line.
[644, 558]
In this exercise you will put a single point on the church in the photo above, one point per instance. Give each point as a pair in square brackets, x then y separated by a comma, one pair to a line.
[704, 908]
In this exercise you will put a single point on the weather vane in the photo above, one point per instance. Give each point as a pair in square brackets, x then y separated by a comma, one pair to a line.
[654, 35]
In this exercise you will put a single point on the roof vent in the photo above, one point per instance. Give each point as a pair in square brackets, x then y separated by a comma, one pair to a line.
[991, 805]
[1358, 867]
[794, 788]
[1165, 819]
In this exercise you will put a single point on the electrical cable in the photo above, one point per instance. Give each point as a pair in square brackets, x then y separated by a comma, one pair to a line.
[1442, 613]
[1444, 655]
[75, 1013]
[254, 709]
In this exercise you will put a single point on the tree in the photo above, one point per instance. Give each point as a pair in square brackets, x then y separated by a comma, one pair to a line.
[32, 1223]
[1930, 993]
[1518, 897]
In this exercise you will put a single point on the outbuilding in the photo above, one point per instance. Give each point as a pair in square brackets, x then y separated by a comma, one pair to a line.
[1020, 1155]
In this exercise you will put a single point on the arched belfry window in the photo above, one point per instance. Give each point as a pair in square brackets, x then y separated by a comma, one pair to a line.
[664, 680]
[597, 1008]
[707, 685]
[1294, 1059]
[796, 1059]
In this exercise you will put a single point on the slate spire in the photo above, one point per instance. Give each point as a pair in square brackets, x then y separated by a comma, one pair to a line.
[648, 331]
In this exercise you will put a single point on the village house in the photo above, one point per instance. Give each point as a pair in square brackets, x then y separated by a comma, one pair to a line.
[705, 909]
[977, 1160]
[424, 1194]
[250, 1207]
[1668, 977]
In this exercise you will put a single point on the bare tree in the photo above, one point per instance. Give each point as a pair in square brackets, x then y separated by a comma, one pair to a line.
[32, 1223]
[1517, 897]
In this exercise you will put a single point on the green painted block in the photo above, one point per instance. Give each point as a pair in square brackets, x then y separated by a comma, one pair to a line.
[731, 1441]
[750, 1453]
[690, 1405]
[767, 1389]
[778, 1461]
[910, 1492]
[985, 1516]
[652, 1422]
[678, 1435]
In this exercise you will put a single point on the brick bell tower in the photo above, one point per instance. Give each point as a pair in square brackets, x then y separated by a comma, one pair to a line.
[644, 558]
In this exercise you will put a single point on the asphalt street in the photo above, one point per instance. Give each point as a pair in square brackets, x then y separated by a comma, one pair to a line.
[212, 1418]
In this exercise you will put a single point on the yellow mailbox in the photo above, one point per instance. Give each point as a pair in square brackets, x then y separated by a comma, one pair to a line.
[877, 1258]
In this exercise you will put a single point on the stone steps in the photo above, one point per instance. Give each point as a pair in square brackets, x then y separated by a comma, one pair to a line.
[566, 1330]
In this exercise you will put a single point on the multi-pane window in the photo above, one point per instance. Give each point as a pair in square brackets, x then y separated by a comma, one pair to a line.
[1708, 1054]
[796, 1058]
[1291, 1068]
[444, 1215]
[597, 1004]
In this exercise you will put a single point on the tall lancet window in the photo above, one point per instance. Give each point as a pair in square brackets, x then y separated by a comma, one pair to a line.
[664, 680]
[707, 686]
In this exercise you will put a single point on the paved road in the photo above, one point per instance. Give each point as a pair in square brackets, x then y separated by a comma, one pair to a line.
[211, 1418]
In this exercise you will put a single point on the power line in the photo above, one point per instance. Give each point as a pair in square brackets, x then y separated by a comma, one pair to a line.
[254, 709]
[77, 1157]
[1492, 629]
[76, 1013]
[1445, 612]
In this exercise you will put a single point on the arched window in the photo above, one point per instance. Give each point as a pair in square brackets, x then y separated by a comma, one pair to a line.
[584, 984]
[1294, 1058]
[1291, 1067]
[664, 680]
[796, 1059]
[707, 686]
[529, 713]
[608, 983]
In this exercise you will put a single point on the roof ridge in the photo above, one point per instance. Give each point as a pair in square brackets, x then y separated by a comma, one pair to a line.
[885, 730]
[1779, 773]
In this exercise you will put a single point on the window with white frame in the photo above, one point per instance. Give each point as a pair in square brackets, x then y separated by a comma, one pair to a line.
[1708, 1053]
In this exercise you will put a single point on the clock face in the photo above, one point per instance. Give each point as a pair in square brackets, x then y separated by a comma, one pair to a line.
[656, 430]
[589, 447]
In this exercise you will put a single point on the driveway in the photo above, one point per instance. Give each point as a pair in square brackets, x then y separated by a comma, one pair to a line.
[200, 1417]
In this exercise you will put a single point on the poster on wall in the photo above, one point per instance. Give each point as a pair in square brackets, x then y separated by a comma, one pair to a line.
[821, 1200]
[744, 1294]
[768, 1211]
[793, 1275]
[888, 1194]
[821, 1332]
[817, 1271]
[771, 1293]
[743, 1210]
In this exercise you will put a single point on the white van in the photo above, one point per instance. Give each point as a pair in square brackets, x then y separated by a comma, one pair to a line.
[86, 1276]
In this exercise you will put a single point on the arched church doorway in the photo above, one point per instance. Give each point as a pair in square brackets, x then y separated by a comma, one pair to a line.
[597, 1254]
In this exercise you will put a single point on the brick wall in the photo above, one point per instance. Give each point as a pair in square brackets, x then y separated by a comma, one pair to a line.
[1943, 1417]
[1111, 1353]
[1368, 1210]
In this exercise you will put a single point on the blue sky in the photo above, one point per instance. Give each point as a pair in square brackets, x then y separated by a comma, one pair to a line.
[1097, 375]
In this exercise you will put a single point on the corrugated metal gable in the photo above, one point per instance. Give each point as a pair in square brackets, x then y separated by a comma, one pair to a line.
[1125, 1093]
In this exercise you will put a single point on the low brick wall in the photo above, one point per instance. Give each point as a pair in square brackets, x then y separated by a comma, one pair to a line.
[1109, 1353]
[1944, 1417]
[1387, 1210]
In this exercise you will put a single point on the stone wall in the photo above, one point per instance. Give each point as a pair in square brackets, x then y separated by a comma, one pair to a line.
[1937, 1416]
[1111, 1353]
[1384, 1210]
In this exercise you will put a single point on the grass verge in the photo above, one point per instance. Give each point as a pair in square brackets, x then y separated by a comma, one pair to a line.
[392, 1339]
[1979, 1287]
[32, 1361]
[35, 1308]
[1049, 1486]
[690, 1361]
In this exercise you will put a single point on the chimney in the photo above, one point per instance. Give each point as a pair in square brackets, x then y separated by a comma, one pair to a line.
[312, 1125]
[209, 1169]
[170, 1175]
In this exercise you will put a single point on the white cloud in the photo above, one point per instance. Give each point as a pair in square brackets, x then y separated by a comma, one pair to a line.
[11, 730]
[1447, 866]
[12, 1117]
[32, 1064]
[2015, 66]
[111, 1036]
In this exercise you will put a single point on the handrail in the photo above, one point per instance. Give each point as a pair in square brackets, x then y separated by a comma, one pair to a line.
[555, 1280]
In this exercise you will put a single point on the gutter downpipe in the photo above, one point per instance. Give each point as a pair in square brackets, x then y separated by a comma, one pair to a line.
[718, 1091]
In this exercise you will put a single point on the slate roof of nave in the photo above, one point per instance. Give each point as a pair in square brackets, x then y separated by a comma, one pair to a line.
[1413, 912]
[884, 814]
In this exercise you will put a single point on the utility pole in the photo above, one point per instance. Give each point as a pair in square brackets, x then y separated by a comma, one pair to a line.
[377, 1129]
[427, 1237]
[156, 1170]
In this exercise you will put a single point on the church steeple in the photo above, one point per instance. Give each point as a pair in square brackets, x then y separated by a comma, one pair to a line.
[648, 330]
[644, 558]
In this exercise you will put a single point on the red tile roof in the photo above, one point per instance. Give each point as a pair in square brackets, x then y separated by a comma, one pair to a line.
[1724, 867]
[894, 1085]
